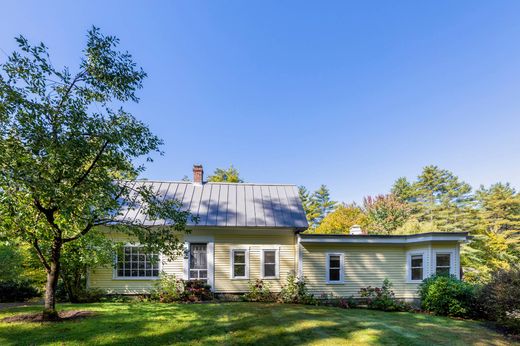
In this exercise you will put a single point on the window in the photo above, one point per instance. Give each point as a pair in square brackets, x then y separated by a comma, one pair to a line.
[269, 264]
[443, 263]
[335, 268]
[239, 264]
[132, 262]
[415, 267]
[198, 262]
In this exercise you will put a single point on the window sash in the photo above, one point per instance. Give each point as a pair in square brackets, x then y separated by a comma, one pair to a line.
[443, 269]
[335, 268]
[131, 262]
[269, 263]
[416, 272]
[239, 264]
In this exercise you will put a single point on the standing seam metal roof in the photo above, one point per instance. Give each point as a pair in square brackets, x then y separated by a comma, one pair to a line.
[225, 204]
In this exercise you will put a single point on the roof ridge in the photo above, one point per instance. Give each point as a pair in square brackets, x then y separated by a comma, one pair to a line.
[206, 182]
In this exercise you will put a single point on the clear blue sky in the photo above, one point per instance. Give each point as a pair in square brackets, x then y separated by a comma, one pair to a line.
[349, 94]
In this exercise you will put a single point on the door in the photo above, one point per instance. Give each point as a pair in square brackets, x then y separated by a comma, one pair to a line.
[198, 262]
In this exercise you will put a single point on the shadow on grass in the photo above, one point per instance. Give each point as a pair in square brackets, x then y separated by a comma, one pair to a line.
[244, 324]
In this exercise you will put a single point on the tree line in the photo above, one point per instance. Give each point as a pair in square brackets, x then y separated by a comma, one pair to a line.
[436, 201]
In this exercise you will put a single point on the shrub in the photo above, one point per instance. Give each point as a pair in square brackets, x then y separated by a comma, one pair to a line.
[295, 291]
[17, 291]
[169, 289]
[259, 291]
[91, 295]
[499, 300]
[381, 298]
[448, 296]
[196, 291]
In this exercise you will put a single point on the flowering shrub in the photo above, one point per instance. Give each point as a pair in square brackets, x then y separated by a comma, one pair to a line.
[382, 298]
[169, 289]
[259, 291]
[295, 291]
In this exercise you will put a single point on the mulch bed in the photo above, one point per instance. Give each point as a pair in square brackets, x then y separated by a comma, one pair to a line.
[38, 317]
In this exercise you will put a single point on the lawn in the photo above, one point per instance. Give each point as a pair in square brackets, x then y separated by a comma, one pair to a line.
[241, 324]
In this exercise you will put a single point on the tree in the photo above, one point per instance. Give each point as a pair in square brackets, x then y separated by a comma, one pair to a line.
[403, 190]
[342, 219]
[325, 204]
[385, 213]
[68, 148]
[229, 175]
[310, 206]
[496, 242]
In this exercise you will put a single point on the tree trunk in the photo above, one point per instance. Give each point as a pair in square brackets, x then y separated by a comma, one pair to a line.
[49, 311]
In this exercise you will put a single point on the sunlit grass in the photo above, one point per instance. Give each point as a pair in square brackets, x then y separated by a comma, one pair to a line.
[241, 324]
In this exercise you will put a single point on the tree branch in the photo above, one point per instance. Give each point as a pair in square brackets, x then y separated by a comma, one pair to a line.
[49, 215]
[89, 169]
[80, 234]
[40, 254]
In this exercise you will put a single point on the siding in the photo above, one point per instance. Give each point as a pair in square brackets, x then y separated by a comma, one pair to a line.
[283, 241]
[365, 265]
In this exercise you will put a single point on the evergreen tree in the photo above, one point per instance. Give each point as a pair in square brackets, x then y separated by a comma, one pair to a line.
[310, 206]
[325, 204]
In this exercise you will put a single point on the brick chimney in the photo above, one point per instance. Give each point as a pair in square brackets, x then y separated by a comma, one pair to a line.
[198, 174]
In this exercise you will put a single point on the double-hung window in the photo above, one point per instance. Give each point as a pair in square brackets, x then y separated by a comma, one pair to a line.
[335, 268]
[443, 263]
[239, 264]
[416, 266]
[133, 262]
[269, 264]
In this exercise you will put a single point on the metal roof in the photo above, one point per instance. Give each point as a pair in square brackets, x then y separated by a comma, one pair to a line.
[225, 204]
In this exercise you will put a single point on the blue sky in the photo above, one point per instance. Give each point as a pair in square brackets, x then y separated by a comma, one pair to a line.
[348, 94]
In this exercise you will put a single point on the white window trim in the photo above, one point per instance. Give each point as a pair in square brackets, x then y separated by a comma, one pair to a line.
[115, 276]
[276, 266]
[409, 255]
[341, 268]
[232, 260]
[451, 252]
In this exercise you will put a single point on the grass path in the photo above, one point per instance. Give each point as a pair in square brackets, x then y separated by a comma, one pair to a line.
[243, 324]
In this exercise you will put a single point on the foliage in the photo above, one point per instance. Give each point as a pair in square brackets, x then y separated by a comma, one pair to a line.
[169, 289]
[67, 151]
[229, 175]
[385, 213]
[259, 291]
[317, 205]
[295, 291]
[381, 298]
[12, 263]
[496, 243]
[499, 300]
[447, 296]
[340, 302]
[437, 197]
[342, 219]
[17, 291]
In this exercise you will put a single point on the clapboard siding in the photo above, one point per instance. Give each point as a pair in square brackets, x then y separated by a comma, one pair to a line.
[365, 265]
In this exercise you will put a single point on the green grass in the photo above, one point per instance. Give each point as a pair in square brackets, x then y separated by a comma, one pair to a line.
[241, 324]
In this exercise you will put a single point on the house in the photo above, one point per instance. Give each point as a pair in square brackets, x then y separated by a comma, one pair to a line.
[256, 231]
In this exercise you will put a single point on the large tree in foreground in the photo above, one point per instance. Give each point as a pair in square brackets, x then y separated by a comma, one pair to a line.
[67, 147]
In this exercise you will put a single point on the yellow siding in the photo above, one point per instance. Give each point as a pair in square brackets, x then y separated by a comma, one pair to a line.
[224, 241]
[365, 265]
[255, 243]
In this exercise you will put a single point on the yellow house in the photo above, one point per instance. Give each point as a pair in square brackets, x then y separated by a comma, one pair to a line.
[256, 231]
